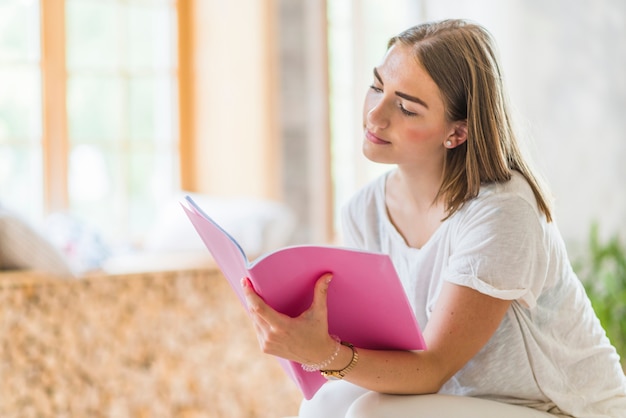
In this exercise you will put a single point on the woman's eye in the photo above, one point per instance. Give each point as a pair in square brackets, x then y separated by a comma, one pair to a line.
[376, 89]
[405, 111]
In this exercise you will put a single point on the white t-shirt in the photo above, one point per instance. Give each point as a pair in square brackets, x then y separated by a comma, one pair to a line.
[550, 351]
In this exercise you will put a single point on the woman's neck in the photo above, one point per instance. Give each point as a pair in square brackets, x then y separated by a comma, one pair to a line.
[417, 187]
[413, 207]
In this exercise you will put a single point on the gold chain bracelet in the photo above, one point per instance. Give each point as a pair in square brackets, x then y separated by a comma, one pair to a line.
[340, 374]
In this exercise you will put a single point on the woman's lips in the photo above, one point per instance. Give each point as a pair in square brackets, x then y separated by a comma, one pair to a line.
[374, 139]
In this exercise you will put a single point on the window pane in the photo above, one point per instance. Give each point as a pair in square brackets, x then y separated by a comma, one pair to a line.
[142, 208]
[95, 34]
[119, 191]
[149, 183]
[121, 112]
[90, 176]
[20, 104]
[95, 108]
[21, 186]
[20, 179]
[19, 31]
[151, 107]
[94, 173]
[150, 44]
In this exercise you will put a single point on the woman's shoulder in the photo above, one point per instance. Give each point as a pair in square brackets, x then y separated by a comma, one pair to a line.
[509, 202]
[516, 191]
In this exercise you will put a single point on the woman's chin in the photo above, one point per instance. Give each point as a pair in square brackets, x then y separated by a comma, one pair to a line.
[375, 154]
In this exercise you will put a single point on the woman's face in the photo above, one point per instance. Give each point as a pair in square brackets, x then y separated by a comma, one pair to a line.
[404, 115]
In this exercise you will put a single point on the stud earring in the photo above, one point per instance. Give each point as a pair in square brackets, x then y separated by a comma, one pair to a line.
[448, 143]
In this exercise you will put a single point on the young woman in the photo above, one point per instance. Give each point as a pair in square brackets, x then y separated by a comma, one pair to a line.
[470, 230]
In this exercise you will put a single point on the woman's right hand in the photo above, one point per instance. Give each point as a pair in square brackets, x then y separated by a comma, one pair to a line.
[303, 339]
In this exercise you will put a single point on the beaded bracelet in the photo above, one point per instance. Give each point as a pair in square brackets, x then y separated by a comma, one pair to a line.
[319, 366]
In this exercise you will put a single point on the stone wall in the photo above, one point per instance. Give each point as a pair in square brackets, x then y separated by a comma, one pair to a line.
[171, 344]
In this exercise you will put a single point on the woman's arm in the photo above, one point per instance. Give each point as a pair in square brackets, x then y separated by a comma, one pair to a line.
[462, 322]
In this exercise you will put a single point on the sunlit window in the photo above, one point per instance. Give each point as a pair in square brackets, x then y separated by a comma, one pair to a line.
[20, 107]
[120, 106]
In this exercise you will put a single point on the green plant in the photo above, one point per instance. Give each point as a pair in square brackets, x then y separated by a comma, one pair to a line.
[602, 269]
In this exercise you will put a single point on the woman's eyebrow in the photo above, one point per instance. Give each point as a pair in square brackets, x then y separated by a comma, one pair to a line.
[400, 94]
[380, 80]
[412, 98]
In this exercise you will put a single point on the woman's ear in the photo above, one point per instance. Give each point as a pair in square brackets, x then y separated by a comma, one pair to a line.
[458, 135]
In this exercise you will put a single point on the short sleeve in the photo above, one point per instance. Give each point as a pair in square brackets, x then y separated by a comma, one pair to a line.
[500, 250]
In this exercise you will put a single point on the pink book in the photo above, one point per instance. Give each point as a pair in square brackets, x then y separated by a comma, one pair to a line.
[367, 305]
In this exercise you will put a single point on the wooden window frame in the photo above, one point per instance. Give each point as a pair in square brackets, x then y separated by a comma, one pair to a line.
[186, 81]
[54, 110]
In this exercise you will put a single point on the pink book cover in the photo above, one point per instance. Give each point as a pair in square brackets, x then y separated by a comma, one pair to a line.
[367, 305]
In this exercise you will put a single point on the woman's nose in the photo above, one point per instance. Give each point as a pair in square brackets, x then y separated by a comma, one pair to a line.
[377, 115]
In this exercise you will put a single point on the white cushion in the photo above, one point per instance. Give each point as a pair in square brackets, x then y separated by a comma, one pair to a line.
[23, 247]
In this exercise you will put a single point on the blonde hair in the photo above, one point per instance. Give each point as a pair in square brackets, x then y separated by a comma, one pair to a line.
[461, 58]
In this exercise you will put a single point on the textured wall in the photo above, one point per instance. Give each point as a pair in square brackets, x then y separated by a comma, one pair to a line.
[143, 345]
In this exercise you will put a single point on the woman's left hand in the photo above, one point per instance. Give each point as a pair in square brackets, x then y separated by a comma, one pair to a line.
[303, 339]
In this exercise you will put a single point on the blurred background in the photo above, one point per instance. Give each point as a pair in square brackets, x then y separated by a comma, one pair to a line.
[111, 110]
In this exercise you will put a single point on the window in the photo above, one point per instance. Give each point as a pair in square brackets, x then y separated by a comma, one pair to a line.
[121, 105]
[20, 103]
[104, 147]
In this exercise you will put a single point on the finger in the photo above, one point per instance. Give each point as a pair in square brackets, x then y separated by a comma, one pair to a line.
[254, 303]
[261, 329]
[258, 307]
[320, 296]
[253, 300]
